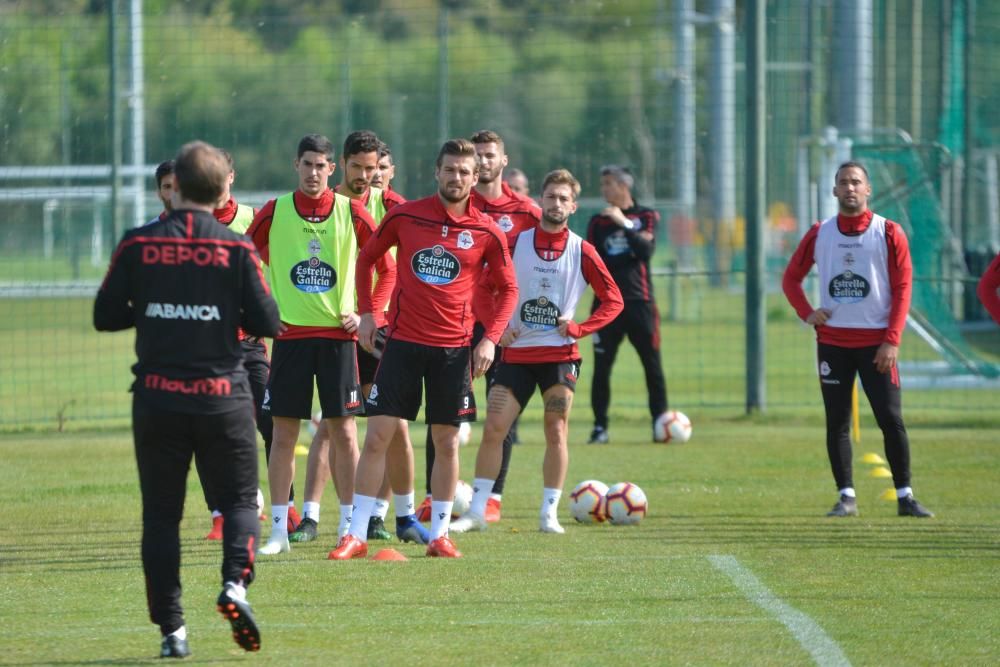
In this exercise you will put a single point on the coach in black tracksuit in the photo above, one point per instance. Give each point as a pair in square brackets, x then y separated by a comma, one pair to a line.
[624, 235]
[187, 284]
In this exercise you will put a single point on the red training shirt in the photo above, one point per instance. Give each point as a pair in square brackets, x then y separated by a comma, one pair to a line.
[513, 213]
[440, 258]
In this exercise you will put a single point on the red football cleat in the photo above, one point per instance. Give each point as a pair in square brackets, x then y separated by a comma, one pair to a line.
[423, 512]
[492, 510]
[443, 547]
[293, 519]
[216, 532]
[349, 547]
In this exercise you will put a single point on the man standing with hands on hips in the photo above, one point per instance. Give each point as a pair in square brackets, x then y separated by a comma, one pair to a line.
[866, 280]
[187, 284]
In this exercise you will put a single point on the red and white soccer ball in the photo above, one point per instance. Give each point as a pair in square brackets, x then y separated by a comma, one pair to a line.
[626, 504]
[463, 499]
[586, 502]
[672, 426]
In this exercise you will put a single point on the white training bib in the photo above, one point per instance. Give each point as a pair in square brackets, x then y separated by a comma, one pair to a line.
[854, 275]
[547, 291]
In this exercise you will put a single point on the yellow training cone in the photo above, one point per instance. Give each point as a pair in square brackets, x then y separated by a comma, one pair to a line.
[301, 450]
[888, 494]
[873, 458]
[880, 471]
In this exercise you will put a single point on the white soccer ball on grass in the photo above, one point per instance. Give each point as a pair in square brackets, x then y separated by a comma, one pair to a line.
[587, 502]
[672, 426]
[626, 504]
[463, 499]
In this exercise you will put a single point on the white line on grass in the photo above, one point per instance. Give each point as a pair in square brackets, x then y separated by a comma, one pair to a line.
[823, 649]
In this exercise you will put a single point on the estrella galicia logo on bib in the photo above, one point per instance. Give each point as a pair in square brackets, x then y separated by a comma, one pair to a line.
[435, 266]
[540, 314]
[313, 276]
[849, 287]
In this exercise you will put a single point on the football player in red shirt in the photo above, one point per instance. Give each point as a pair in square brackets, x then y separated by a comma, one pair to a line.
[513, 213]
[443, 245]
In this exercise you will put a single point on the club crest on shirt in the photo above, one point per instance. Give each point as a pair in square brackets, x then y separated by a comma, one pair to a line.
[616, 244]
[540, 314]
[465, 239]
[436, 266]
[849, 287]
[505, 223]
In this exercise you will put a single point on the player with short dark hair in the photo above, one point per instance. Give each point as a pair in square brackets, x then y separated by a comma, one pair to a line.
[187, 284]
[624, 234]
[553, 267]
[867, 279]
[359, 163]
[382, 178]
[513, 214]
[164, 187]
[447, 243]
[308, 240]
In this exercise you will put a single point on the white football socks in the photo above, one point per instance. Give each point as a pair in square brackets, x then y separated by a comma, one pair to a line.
[381, 508]
[344, 527]
[848, 491]
[279, 522]
[904, 491]
[550, 502]
[440, 518]
[403, 503]
[482, 489]
[310, 510]
[359, 518]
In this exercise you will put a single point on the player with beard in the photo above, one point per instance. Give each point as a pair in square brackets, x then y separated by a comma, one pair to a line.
[359, 164]
[513, 213]
[539, 346]
[444, 244]
[165, 185]
[867, 279]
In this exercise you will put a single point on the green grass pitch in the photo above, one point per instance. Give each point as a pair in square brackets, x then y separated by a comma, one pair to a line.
[883, 589]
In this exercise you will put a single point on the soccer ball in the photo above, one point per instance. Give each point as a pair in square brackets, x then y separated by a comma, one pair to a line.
[463, 499]
[586, 502]
[672, 426]
[626, 504]
[464, 433]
